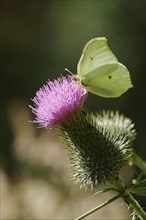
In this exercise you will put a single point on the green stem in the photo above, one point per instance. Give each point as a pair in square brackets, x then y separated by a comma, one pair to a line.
[123, 193]
[118, 183]
[129, 199]
[139, 162]
[99, 207]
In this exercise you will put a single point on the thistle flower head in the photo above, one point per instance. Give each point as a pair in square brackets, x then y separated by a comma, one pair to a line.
[98, 149]
[57, 100]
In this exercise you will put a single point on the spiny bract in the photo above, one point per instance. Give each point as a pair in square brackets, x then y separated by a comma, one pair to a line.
[98, 145]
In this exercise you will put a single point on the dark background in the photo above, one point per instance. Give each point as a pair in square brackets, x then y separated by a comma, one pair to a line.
[40, 38]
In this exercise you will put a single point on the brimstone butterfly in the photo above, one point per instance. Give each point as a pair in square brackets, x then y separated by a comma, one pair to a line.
[100, 72]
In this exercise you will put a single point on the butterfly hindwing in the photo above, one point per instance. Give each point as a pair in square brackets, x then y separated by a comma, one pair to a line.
[109, 83]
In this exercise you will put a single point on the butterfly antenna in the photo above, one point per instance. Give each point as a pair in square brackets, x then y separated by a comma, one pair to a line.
[68, 71]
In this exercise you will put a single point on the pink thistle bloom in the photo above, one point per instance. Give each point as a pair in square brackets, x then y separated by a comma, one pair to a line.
[57, 100]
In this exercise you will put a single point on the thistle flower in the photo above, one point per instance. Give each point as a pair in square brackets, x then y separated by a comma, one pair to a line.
[98, 145]
[57, 100]
[97, 151]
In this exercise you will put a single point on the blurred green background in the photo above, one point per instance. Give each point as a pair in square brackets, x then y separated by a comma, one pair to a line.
[41, 38]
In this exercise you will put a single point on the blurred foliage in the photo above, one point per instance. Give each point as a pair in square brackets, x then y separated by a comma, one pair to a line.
[40, 38]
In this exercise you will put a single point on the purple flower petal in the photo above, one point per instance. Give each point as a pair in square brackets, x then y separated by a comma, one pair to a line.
[57, 100]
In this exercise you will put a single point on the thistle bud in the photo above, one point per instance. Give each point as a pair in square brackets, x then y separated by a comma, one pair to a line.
[118, 123]
[98, 145]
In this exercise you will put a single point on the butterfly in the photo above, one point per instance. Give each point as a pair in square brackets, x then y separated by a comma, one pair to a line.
[100, 72]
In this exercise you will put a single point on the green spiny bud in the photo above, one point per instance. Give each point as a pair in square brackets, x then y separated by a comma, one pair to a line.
[118, 123]
[98, 145]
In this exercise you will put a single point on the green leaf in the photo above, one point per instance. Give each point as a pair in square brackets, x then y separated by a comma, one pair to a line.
[140, 184]
[141, 191]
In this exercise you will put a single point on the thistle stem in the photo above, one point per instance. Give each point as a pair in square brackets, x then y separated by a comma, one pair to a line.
[98, 207]
[129, 199]
[139, 162]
